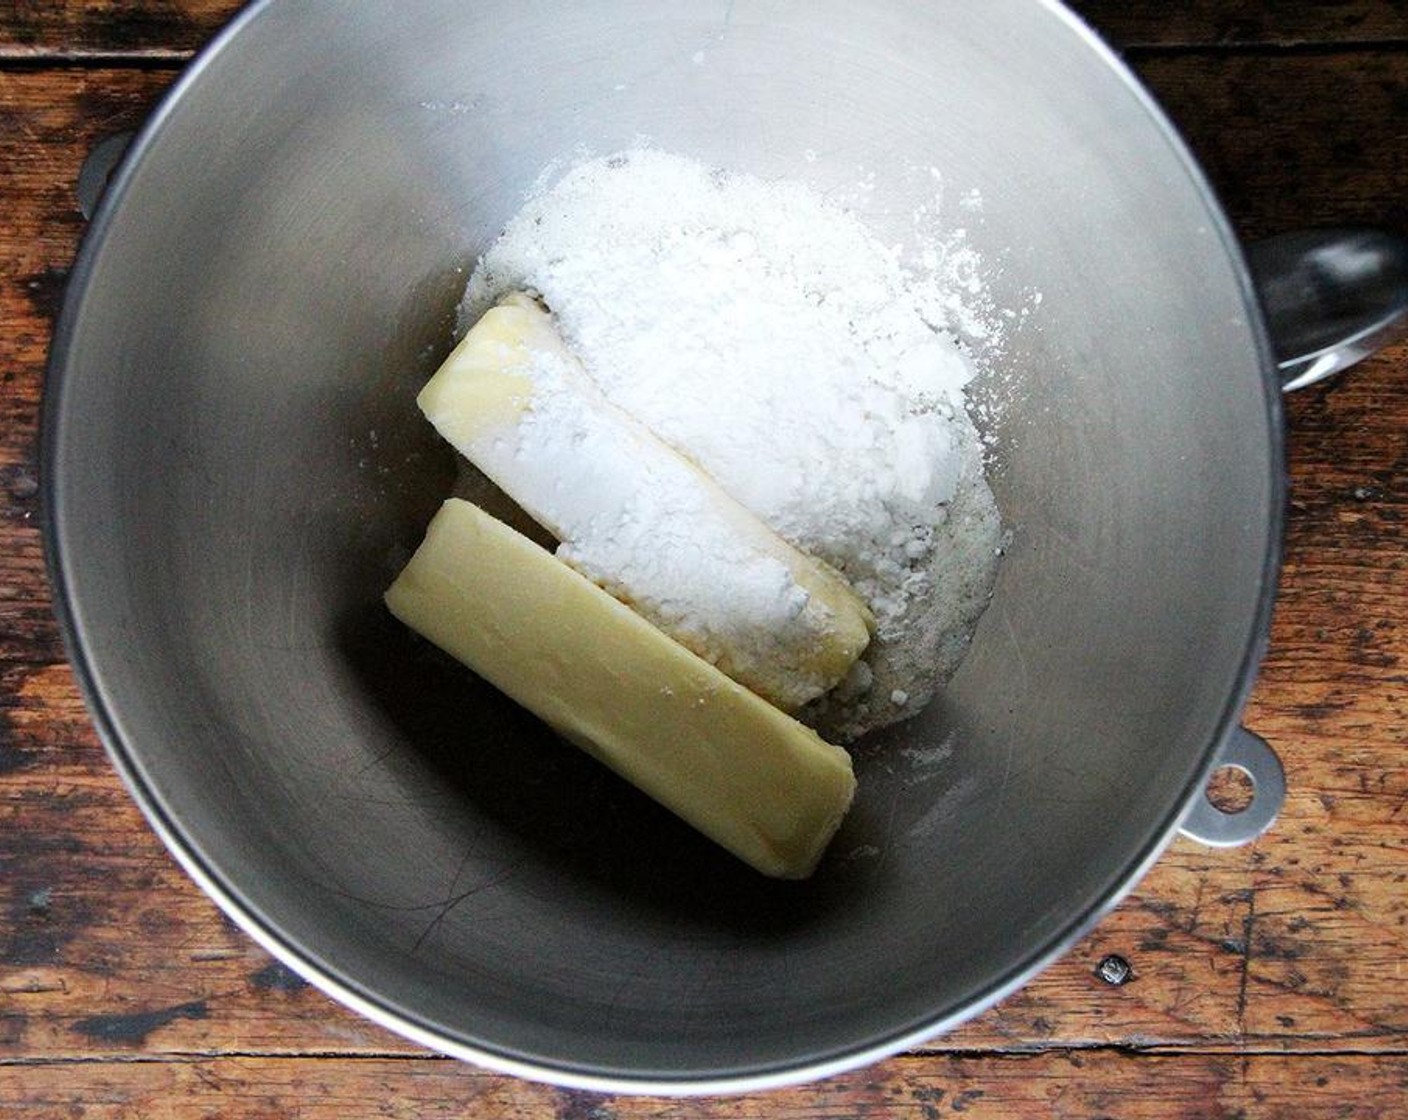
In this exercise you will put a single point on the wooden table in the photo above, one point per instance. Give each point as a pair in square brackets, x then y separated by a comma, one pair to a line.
[1266, 981]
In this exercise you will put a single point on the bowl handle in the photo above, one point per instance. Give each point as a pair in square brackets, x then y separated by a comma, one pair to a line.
[96, 172]
[1331, 297]
[1218, 828]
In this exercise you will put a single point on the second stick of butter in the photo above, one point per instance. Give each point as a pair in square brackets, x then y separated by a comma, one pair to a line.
[746, 775]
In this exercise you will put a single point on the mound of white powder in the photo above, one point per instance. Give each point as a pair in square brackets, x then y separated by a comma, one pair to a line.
[767, 335]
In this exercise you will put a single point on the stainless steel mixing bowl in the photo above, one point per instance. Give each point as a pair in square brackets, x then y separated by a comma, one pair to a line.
[234, 469]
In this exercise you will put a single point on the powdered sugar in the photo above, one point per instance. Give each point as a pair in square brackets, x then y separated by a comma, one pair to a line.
[647, 525]
[653, 507]
[765, 334]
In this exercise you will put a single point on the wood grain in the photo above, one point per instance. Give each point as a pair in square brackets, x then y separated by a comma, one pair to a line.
[75, 29]
[48, 124]
[1097, 1084]
[1294, 140]
[1234, 24]
[170, 30]
[1266, 981]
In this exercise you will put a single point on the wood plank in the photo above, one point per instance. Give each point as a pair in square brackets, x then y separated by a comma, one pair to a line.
[162, 29]
[1294, 141]
[1295, 943]
[47, 125]
[1333, 697]
[173, 29]
[1090, 1085]
[1234, 24]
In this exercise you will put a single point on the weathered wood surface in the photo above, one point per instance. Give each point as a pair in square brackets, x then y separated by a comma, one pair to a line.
[987, 1087]
[1267, 981]
[167, 29]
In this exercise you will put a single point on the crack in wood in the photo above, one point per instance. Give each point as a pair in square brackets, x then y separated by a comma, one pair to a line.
[1269, 1051]
[1248, 926]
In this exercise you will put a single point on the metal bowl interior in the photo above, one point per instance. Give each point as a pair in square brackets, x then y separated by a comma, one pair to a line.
[235, 468]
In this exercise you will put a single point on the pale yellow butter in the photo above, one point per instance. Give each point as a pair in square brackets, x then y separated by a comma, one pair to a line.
[747, 775]
[486, 390]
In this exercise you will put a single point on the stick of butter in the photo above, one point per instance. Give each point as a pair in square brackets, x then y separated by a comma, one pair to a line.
[638, 518]
[752, 778]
